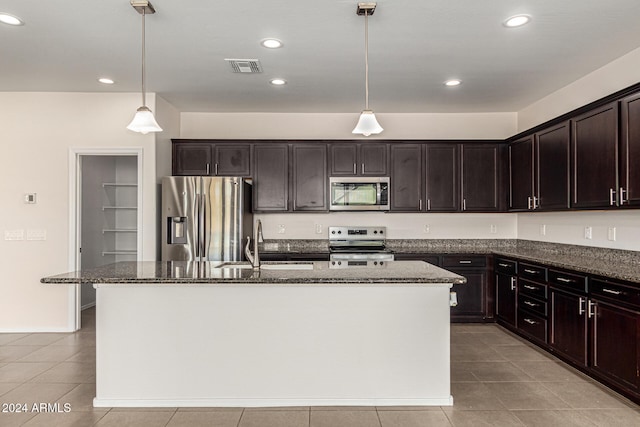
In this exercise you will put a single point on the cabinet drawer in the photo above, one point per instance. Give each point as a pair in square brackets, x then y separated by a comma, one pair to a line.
[622, 294]
[464, 261]
[533, 272]
[505, 266]
[532, 289]
[532, 305]
[532, 325]
[569, 281]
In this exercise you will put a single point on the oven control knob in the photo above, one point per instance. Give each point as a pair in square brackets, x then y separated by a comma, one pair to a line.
[375, 262]
[375, 231]
[333, 232]
[381, 262]
[339, 232]
[381, 231]
[339, 262]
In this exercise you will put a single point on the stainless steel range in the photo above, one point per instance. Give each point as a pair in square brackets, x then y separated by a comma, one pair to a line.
[358, 246]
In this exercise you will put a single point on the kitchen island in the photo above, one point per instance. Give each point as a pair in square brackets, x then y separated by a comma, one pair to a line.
[301, 334]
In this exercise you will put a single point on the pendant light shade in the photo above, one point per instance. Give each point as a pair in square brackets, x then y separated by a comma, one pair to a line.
[367, 124]
[143, 121]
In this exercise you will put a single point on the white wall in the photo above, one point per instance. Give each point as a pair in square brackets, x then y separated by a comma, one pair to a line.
[615, 76]
[37, 130]
[399, 225]
[339, 126]
[570, 228]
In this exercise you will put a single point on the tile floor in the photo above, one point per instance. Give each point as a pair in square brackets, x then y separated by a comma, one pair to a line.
[497, 380]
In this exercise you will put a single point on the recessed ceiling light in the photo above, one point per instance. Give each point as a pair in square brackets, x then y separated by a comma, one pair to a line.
[10, 19]
[271, 43]
[516, 21]
[278, 82]
[106, 81]
[452, 82]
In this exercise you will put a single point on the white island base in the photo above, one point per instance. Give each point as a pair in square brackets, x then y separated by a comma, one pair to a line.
[248, 345]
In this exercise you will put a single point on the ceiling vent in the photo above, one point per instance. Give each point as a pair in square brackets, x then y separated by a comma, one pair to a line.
[245, 65]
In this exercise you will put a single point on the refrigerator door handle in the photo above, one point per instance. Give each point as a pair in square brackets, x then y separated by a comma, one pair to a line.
[203, 230]
[196, 244]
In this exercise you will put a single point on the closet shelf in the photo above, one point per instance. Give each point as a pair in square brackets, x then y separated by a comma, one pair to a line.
[118, 184]
[120, 252]
[119, 230]
[119, 207]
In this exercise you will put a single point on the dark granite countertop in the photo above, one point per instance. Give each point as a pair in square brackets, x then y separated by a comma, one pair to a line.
[153, 273]
[611, 263]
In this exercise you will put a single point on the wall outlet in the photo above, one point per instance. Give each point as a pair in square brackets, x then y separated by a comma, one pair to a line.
[543, 230]
[611, 233]
[318, 228]
[427, 228]
[493, 229]
[281, 229]
[588, 233]
[30, 198]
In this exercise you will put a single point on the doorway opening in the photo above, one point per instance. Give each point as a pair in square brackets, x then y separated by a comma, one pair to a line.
[106, 216]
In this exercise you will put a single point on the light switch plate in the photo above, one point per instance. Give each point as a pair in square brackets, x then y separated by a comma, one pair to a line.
[13, 234]
[493, 229]
[611, 234]
[318, 228]
[543, 230]
[36, 234]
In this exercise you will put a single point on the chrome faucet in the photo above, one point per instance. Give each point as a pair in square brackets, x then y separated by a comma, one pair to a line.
[254, 258]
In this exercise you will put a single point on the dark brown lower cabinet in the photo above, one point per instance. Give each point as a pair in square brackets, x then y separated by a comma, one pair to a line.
[568, 330]
[615, 345]
[506, 299]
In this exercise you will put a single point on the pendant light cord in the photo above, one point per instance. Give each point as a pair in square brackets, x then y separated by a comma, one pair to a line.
[144, 103]
[366, 60]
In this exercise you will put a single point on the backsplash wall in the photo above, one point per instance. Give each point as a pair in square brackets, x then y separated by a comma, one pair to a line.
[399, 225]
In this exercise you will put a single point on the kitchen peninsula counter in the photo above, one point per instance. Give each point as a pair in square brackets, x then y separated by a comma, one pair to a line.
[177, 334]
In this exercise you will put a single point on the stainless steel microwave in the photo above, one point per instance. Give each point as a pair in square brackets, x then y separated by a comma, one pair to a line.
[359, 193]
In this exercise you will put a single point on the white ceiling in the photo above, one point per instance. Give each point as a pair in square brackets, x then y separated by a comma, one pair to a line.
[414, 46]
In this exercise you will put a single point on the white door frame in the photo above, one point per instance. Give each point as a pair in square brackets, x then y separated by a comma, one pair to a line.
[75, 209]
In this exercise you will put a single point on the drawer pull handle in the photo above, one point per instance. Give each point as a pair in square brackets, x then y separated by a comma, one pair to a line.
[531, 304]
[465, 262]
[591, 309]
[562, 279]
[501, 264]
[611, 291]
[526, 270]
[513, 283]
[533, 288]
[531, 322]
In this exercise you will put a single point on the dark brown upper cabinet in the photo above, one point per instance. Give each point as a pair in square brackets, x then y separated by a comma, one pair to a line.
[358, 159]
[309, 177]
[271, 177]
[442, 177]
[539, 170]
[406, 178]
[594, 145]
[521, 171]
[629, 186]
[191, 158]
[212, 159]
[481, 166]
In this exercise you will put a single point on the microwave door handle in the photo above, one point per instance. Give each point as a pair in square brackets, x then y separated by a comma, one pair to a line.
[378, 193]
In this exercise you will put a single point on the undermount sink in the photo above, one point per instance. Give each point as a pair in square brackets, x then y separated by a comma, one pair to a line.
[272, 265]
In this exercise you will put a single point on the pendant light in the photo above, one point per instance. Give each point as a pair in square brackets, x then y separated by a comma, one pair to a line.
[143, 121]
[367, 124]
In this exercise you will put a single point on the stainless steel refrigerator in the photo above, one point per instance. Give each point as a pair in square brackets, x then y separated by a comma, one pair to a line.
[205, 218]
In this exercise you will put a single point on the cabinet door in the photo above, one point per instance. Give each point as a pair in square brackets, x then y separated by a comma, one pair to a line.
[481, 177]
[309, 177]
[616, 337]
[343, 158]
[470, 296]
[441, 181]
[374, 159]
[552, 168]
[192, 158]
[630, 152]
[232, 160]
[271, 177]
[568, 331]
[506, 299]
[595, 155]
[406, 178]
[521, 174]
